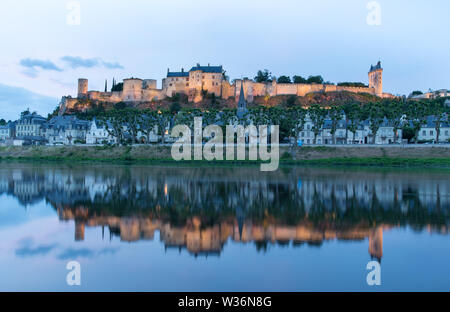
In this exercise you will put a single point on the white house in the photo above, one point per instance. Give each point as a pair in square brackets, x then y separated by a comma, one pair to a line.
[98, 134]
[428, 131]
[7, 131]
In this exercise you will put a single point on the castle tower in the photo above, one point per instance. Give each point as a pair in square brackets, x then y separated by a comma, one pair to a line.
[82, 88]
[376, 78]
[376, 243]
[79, 231]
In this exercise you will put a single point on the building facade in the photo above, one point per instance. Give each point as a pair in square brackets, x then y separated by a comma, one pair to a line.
[67, 130]
[7, 131]
[29, 124]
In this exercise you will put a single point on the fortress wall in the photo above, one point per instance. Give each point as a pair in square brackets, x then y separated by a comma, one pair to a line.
[175, 85]
[331, 88]
[113, 97]
[228, 90]
[261, 89]
[286, 88]
[67, 103]
[149, 84]
[152, 94]
[304, 89]
[356, 89]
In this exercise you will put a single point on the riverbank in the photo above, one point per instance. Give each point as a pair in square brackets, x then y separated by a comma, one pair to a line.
[396, 156]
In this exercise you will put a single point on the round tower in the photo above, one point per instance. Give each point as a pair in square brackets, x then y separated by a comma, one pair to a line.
[82, 88]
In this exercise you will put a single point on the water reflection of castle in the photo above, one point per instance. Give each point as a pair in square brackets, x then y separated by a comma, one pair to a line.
[210, 240]
[201, 209]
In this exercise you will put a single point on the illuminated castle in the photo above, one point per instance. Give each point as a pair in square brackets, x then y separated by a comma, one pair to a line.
[201, 80]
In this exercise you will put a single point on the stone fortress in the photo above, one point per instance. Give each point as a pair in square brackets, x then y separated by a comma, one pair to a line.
[211, 79]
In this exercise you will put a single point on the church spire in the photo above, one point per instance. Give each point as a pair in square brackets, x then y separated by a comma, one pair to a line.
[242, 102]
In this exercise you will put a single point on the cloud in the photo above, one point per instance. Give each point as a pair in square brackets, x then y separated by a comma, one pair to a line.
[14, 100]
[71, 253]
[36, 63]
[77, 62]
[114, 65]
[27, 249]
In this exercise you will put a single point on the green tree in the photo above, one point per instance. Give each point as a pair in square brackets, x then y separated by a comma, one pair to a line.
[299, 79]
[414, 93]
[291, 101]
[120, 105]
[437, 108]
[317, 115]
[175, 107]
[417, 113]
[376, 116]
[284, 79]
[352, 84]
[117, 87]
[335, 114]
[393, 110]
[298, 116]
[354, 118]
[315, 79]
[408, 133]
[263, 76]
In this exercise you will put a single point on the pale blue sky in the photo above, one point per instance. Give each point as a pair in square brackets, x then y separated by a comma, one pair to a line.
[123, 38]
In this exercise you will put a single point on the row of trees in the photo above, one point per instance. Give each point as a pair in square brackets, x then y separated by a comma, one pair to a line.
[266, 76]
[400, 114]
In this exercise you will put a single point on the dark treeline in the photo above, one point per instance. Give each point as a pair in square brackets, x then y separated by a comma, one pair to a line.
[408, 115]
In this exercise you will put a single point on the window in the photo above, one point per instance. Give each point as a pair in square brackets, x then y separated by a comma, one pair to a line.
[187, 85]
[446, 132]
[424, 132]
[431, 132]
[213, 77]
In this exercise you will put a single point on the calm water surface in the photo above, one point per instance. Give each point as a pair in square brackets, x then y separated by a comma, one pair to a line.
[222, 229]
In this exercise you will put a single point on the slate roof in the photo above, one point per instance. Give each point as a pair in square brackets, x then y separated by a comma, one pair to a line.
[64, 122]
[177, 74]
[205, 69]
[32, 118]
[378, 66]
[208, 69]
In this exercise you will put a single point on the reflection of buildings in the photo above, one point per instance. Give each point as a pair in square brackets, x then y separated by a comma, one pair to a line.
[376, 243]
[200, 209]
[198, 239]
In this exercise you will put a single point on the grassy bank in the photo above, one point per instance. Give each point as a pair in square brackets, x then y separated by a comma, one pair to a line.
[320, 156]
